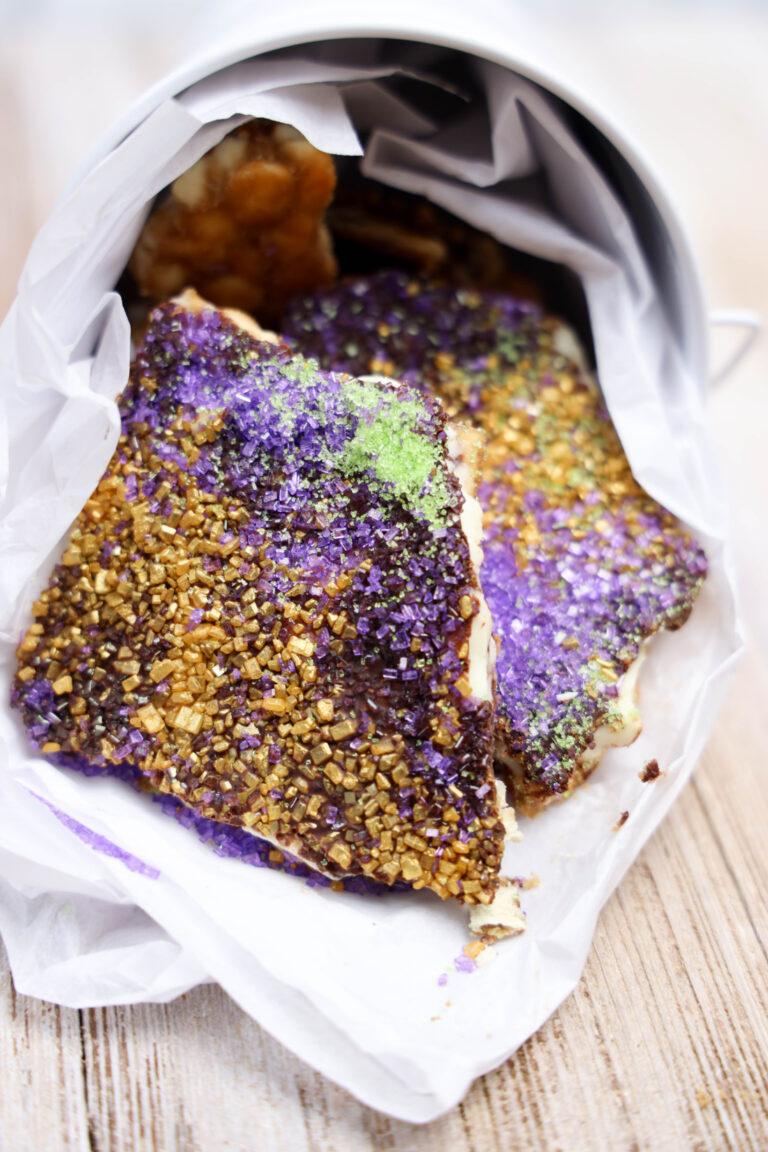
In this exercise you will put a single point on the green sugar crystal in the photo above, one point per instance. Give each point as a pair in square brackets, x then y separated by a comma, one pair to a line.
[387, 444]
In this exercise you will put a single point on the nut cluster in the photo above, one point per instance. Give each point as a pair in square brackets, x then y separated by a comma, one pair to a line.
[244, 225]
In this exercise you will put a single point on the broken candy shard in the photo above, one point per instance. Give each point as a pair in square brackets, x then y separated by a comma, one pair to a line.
[581, 565]
[267, 606]
[244, 225]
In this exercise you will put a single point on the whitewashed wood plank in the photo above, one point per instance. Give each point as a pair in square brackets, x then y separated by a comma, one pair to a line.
[42, 1088]
[17, 220]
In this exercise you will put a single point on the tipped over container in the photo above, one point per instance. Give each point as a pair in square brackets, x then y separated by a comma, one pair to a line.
[478, 116]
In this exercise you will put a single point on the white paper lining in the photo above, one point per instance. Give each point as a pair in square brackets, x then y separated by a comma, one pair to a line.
[352, 984]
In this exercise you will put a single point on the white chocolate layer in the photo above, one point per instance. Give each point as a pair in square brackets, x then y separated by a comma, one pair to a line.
[627, 723]
[503, 916]
[482, 649]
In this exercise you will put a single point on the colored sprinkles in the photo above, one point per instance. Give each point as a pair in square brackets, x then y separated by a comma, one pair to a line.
[581, 565]
[265, 608]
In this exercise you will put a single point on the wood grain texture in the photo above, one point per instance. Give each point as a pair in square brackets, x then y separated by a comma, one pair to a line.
[43, 1092]
[664, 1045]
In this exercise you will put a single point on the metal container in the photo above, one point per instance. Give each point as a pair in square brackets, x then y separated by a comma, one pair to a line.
[499, 33]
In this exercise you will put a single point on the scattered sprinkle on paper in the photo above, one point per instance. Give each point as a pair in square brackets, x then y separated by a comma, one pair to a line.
[100, 843]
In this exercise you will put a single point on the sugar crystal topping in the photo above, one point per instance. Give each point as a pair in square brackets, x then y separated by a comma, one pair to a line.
[265, 607]
[581, 565]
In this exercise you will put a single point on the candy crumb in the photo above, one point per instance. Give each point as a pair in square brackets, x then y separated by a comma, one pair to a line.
[650, 771]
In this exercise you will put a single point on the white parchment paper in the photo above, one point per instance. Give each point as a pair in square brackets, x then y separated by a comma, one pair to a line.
[103, 898]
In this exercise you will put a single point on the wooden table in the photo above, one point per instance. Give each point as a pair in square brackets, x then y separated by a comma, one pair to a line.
[664, 1045]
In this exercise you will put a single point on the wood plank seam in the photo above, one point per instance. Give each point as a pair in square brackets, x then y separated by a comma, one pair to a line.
[92, 1142]
[714, 832]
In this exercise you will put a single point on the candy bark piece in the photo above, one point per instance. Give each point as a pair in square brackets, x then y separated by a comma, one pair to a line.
[581, 565]
[267, 605]
[244, 225]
